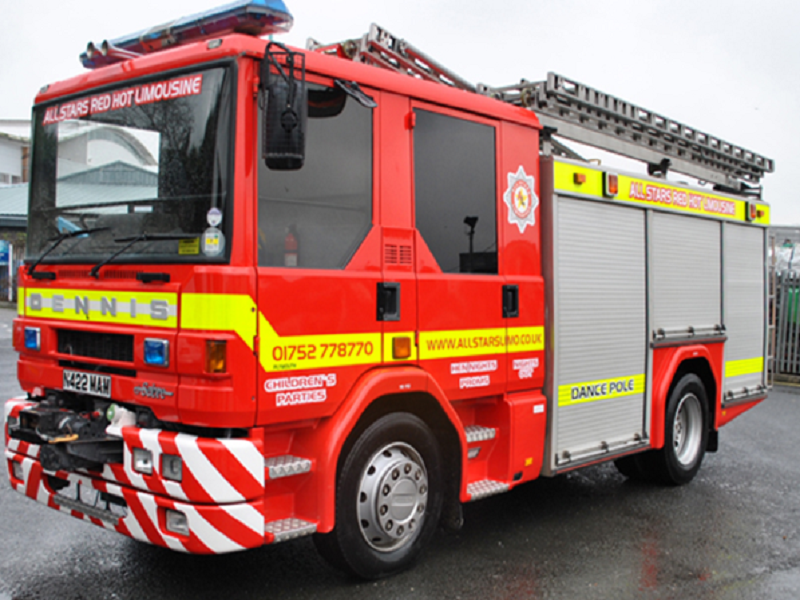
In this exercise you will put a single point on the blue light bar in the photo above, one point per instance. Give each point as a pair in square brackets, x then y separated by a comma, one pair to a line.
[254, 17]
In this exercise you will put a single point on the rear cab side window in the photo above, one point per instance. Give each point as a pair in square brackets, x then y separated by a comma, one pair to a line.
[455, 191]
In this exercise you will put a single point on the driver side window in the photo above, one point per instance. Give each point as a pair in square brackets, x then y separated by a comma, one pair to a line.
[317, 216]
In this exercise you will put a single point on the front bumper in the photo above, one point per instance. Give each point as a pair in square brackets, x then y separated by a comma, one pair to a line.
[221, 493]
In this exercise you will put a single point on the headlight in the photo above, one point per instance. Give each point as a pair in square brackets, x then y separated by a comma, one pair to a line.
[143, 461]
[172, 467]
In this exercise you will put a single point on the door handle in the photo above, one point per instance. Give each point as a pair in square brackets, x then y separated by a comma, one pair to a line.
[388, 301]
[510, 301]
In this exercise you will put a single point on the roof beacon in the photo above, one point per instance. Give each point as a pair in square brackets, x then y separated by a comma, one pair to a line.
[254, 17]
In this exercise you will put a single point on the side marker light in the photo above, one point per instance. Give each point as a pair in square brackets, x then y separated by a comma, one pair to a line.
[610, 185]
[579, 178]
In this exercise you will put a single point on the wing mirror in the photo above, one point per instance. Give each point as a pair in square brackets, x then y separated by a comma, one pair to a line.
[285, 106]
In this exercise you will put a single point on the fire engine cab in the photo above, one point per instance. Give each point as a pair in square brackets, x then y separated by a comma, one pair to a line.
[340, 291]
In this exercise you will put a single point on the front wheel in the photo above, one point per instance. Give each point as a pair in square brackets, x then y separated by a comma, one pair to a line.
[388, 498]
[686, 432]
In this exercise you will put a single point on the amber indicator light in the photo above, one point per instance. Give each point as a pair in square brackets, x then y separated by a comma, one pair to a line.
[216, 356]
[579, 178]
[401, 347]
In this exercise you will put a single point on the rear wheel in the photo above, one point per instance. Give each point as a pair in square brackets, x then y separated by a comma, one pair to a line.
[388, 498]
[686, 433]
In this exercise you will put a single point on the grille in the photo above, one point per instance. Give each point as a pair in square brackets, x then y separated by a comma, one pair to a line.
[109, 346]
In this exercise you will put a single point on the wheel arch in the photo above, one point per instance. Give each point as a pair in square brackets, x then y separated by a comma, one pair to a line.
[686, 359]
[379, 393]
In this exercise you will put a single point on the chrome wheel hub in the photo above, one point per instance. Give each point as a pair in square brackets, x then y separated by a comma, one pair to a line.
[687, 433]
[392, 497]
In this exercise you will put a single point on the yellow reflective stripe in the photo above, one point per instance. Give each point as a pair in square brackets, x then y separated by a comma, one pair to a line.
[301, 352]
[655, 194]
[220, 312]
[21, 301]
[564, 179]
[154, 309]
[388, 339]
[748, 366]
[602, 389]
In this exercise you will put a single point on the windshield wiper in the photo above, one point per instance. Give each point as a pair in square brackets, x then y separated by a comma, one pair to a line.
[56, 241]
[142, 237]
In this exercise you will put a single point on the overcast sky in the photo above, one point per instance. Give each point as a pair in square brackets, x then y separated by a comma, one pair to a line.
[726, 67]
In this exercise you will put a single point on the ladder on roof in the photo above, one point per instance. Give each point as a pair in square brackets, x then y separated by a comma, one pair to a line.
[589, 116]
[582, 114]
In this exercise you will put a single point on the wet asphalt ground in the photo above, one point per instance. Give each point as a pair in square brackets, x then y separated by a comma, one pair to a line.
[733, 533]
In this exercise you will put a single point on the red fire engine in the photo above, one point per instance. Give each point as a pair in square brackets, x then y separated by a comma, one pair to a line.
[272, 292]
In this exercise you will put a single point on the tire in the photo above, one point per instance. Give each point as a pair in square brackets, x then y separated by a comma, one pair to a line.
[389, 498]
[686, 433]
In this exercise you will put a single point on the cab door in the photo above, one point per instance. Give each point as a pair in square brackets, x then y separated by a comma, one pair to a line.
[318, 262]
[461, 294]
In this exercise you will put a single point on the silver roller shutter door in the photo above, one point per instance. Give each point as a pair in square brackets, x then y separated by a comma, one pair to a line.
[744, 306]
[685, 273]
[600, 327]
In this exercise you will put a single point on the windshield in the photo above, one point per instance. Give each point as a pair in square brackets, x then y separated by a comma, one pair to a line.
[142, 158]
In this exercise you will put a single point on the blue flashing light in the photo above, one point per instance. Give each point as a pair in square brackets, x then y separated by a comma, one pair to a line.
[156, 352]
[254, 17]
[33, 338]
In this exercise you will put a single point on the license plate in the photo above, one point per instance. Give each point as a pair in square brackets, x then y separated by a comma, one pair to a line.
[87, 383]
